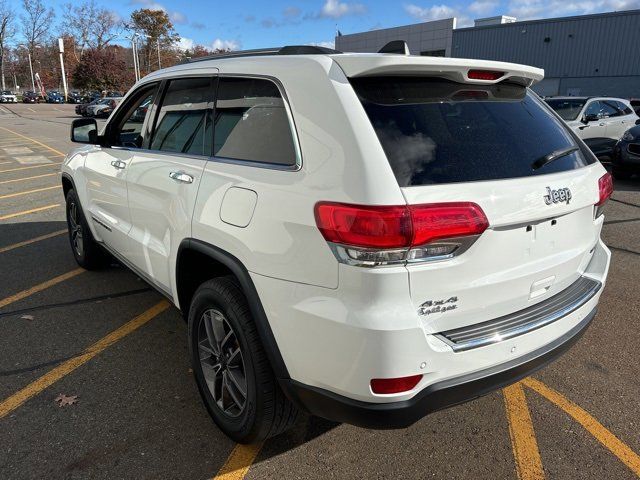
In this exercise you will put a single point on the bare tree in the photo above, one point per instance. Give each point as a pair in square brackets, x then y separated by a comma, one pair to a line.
[6, 32]
[37, 23]
[91, 26]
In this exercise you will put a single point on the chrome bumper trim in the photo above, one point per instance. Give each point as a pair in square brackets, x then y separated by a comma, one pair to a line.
[508, 326]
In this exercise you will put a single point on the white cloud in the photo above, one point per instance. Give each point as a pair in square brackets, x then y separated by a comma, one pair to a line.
[176, 17]
[186, 44]
[527, 9]
[219, 44]
[435, 12]
[337, 9]
[483, 7]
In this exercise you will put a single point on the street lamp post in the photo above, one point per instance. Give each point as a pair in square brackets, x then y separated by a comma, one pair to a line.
[64, 76]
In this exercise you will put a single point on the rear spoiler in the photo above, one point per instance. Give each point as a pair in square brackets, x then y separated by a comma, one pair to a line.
[455, 69]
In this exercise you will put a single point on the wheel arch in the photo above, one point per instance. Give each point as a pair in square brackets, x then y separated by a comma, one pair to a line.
[210, 262]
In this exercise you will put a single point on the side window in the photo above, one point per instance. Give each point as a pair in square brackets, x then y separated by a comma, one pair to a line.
[623, 108]
[127, 131]
[251, 122]
[182, 117]
[593, 109]
[609, 110]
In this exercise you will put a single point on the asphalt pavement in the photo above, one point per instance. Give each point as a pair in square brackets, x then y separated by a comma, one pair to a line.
[107, 339]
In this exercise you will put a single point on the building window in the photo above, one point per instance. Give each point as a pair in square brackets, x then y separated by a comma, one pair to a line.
[433, 53]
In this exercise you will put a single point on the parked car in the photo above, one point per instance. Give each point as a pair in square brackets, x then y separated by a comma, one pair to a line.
[626, 154]
[75, 97]
[55, 97]
[7, 96]
[103, 107]
[599, 121]
[82, 108]
[31, 97]
[392, 236]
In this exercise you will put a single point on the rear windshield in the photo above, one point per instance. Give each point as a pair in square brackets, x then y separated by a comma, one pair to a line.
[568, 109]
[435, 131]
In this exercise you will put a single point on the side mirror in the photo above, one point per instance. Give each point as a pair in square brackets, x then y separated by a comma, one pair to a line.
[591, 117]
[84, 130]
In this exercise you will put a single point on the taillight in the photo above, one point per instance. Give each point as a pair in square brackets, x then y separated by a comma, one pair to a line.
[605, 189]
[484, 75]
[394, 385]
[382, 235]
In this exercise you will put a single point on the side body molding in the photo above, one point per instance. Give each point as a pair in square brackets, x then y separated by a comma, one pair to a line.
[255, 305]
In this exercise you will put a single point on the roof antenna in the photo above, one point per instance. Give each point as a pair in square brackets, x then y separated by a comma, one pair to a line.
[396, 46]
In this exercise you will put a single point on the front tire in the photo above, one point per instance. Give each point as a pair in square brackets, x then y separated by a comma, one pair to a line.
[231, 368]
[85, 249]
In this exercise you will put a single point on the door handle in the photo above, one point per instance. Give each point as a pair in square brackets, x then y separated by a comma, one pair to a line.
[181, 177]
[119, 164]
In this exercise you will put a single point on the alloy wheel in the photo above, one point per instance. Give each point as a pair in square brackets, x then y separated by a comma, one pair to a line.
[75, 229]
[222, 362]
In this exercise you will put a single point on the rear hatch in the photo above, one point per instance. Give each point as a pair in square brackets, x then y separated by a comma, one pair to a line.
[493, 143]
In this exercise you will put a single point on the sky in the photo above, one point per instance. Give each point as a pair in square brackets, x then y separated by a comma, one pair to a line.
[245, 24]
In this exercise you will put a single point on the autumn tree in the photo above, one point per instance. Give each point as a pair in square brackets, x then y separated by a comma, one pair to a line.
[91, 26]
[157, 31]
[6, 32]
[104, 69]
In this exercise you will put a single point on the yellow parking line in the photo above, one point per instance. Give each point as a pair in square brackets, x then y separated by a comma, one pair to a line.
[595, 428]
[5, 163]
[65, 368]
[239, 462]
[40, 287]
[27, 178]
[33, 240]
[34, 141]
[27, 192]
[31, 166]
[27, 212]
[523, 437]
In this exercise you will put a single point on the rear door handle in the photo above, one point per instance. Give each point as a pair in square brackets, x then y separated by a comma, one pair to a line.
[119, 164]
[181, 177]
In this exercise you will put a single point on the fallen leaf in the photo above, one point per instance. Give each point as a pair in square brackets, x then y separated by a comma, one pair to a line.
[27, 317]
[64, 400]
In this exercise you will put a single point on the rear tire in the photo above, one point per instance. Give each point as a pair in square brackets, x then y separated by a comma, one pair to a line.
[85, 249]
[231, 368]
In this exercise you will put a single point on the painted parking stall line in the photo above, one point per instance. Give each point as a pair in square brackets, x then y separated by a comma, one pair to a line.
[34, 388]
[29, 212]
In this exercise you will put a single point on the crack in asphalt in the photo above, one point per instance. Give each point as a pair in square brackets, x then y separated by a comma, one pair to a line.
[611, 222]
[625, 203]
[79, 301]
[623, 250]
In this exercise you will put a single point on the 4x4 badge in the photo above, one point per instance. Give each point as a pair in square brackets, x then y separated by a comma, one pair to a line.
[557, 196]
[437, 306]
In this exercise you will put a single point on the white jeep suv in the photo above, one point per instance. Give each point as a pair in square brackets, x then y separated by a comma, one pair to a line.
[599, 121]
[363, 237]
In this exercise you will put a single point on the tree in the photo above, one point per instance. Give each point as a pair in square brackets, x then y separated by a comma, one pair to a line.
[37, 23]
[91, 26]
[157, 30]
[103, 69]
[6, 32]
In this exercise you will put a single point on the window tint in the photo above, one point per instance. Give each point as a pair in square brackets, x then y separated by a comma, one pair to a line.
[128, 128]
[622, 107]
[251, 122]
[180, 126]
[435, 131]
[609, 109]
[568, 109]
[593, 109]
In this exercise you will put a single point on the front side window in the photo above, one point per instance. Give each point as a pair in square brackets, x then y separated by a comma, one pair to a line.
[127, 130]
[436, 131]
[251, 122]
[182, 117]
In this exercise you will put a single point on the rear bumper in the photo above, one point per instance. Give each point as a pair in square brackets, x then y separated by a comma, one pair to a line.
[436, 396]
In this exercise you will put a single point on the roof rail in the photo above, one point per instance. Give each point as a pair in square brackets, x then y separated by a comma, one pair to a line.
[286, 50]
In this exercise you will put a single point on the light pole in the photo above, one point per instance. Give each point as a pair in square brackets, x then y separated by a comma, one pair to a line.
[64, 76]
[33, 82]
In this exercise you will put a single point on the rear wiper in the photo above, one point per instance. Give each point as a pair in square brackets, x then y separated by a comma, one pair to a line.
[541, 162]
